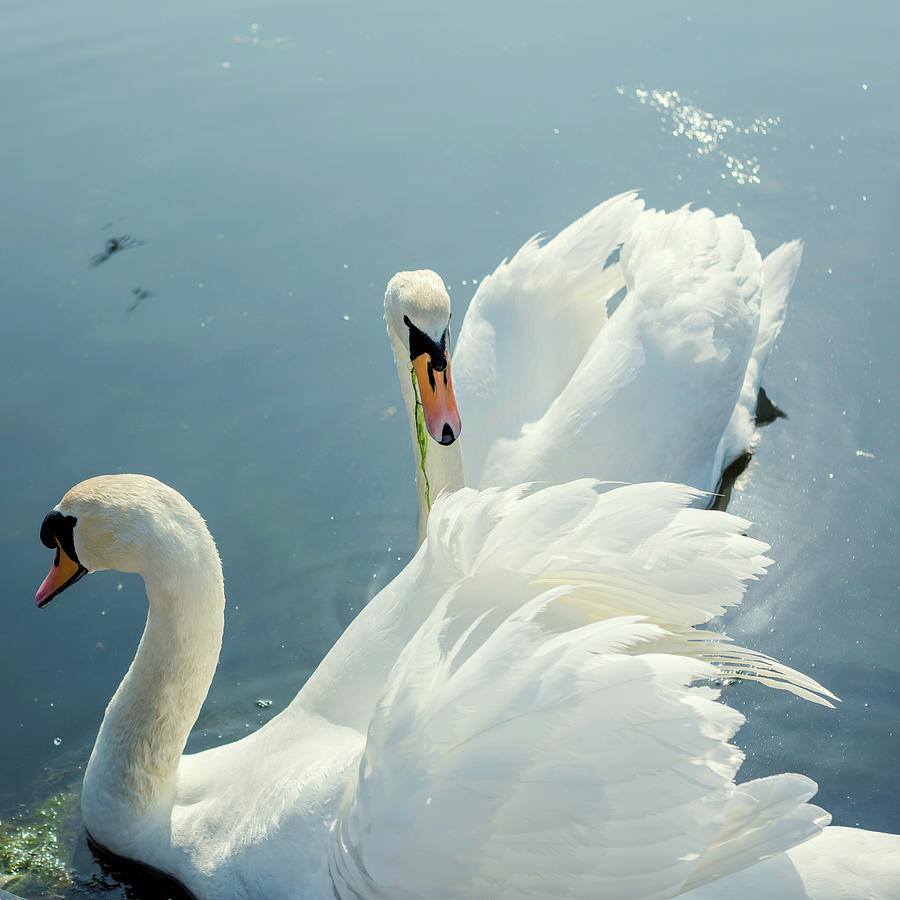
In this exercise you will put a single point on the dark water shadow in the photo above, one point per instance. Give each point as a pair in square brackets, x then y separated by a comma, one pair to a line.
[139, 295]
[102, 873]
[722, 497]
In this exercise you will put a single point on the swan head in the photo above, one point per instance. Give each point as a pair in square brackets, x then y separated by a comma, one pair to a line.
[130, 523]
[417, 312]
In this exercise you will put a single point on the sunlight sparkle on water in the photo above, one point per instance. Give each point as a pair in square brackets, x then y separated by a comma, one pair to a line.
[253, 38]
[707, 132]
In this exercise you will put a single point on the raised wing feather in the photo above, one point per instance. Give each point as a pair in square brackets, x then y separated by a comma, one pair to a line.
[537, 734]
[531, 322]
[654, 394]
[626, 550]
[536, 766]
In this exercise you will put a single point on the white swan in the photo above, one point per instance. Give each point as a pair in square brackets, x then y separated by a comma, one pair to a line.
[511, 717]
[550, 390]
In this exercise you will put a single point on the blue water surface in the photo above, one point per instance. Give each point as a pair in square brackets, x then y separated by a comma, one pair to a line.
[265, 168]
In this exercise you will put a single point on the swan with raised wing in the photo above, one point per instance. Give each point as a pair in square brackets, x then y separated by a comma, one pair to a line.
[550, 387]
[517, 714]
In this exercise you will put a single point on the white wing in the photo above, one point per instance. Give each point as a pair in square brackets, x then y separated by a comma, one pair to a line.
[531, 322]
[537, 741]
[654, 394]
[665, 390]
[522, 770]
[629, 550]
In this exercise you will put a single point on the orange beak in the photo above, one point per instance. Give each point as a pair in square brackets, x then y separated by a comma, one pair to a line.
[63, 573]
[438, 402]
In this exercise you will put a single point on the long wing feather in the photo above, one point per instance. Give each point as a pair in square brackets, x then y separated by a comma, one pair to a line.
[538, 734]
[655, 392]
[538, 766]
[627, 550]
[531, 322]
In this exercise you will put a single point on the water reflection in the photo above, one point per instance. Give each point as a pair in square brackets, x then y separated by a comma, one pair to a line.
[111, 876]
[140, 295]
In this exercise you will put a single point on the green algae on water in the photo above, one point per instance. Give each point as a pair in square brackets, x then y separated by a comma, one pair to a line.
[36, 846]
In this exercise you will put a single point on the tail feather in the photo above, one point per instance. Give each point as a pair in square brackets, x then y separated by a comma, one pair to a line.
[779, 270]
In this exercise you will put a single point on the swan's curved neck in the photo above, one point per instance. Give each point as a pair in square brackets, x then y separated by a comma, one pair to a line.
[130, 779]
[438, 468]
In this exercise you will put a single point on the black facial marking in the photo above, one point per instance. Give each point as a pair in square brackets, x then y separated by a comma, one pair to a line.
[58, 531]
[420, 343]
[57, 528]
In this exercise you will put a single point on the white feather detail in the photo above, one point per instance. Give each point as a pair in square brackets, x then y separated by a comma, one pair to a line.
[665, 389]
[541, 732]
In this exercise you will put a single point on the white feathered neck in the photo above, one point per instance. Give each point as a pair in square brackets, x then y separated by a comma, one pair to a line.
[438, 467]
[129, 785]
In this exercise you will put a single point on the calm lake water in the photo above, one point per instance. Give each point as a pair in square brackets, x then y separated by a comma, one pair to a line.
[272, 165]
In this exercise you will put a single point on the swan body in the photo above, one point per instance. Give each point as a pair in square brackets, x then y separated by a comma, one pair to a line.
[520, 713]
[551, 388]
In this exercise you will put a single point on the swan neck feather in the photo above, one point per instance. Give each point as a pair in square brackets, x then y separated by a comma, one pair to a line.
[438, 468]
[129, 785]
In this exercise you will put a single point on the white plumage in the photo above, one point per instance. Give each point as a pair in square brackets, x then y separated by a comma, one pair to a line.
[551, 388]
[517, 715]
